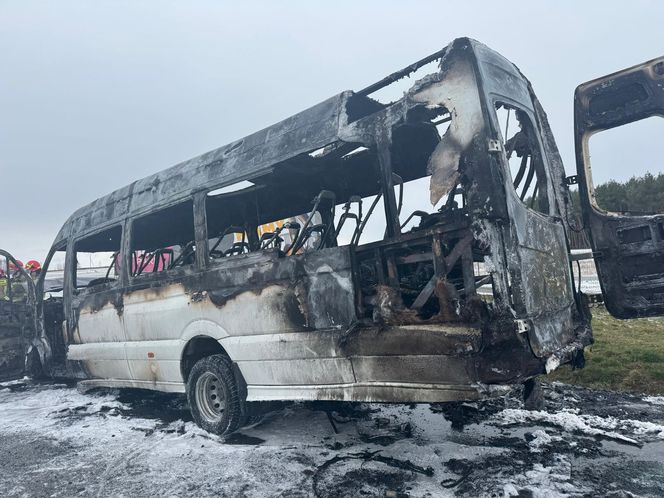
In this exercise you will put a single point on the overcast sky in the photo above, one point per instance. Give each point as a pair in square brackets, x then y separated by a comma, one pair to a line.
[94, 95]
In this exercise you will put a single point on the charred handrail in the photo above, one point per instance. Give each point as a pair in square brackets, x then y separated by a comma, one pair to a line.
[300, 240]
[275, 237]
[388, 80]
[534, 196]
[521, 172]
[419, 213]
[529, 180]
[187, 251]
[399, 180]
[348, 215]
[230, 229]
[114, 260]
[144, 263]
[356, 239]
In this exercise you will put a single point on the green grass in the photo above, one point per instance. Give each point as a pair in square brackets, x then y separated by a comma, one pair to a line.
[628, 355]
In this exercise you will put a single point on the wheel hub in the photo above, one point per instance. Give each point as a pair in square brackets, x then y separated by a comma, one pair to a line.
[210, 397]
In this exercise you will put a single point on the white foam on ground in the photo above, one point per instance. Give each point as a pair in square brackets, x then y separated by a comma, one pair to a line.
[571, 421]
[542, 481]
[541, 439]
[118, 455]
[110, 445]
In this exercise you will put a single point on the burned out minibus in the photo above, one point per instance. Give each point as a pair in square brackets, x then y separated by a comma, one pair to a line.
[366, 249]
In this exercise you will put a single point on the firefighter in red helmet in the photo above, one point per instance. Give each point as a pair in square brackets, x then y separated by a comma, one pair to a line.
[19, 286]
[33, 267]
[14, 267]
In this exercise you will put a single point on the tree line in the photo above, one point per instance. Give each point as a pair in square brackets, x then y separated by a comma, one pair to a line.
[638, 195]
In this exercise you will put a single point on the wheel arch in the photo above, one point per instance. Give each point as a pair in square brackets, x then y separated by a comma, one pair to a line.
[197, 348]
[202, 338]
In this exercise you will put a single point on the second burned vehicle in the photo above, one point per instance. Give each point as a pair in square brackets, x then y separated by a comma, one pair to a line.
[297, 264]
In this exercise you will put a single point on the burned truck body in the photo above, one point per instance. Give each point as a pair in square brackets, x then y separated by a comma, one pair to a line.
[18, 320]
[289, 265]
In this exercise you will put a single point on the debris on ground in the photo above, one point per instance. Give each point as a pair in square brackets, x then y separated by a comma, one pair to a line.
[58, 442]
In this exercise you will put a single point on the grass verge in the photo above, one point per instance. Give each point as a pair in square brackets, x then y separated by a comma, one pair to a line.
[628, 355]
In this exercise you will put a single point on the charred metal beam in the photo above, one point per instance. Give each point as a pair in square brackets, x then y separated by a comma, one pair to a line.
[396, 76]
[468, 272]
[450, 261]
[383, 142]
[416, 258]
[479, 283]
[440, 268]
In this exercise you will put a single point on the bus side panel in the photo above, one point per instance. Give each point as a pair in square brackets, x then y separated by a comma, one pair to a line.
[98, 338]
[301, 303]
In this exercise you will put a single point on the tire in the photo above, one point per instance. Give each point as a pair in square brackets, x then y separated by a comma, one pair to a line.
[214, 397]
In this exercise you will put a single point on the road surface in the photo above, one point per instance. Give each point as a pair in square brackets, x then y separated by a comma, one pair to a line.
[57, 442]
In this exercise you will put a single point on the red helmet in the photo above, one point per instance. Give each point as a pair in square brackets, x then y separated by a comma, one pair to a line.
[13, 267]
[32, 265]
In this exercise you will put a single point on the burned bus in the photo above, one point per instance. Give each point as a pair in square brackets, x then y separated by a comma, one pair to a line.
[414, 250]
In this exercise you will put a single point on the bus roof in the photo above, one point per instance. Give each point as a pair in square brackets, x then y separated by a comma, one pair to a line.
[331, 121]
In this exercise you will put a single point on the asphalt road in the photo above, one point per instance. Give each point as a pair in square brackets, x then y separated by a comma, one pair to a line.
[57, 442]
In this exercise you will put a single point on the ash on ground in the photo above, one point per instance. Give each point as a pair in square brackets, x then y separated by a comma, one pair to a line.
[57, 442]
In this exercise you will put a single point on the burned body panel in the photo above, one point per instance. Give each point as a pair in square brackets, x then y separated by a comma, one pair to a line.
[21, 342]
[535, 244]
[261, 294]
[628, 249]
[12, 339]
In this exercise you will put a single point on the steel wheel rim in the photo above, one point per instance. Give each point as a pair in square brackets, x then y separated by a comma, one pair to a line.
[210, 397]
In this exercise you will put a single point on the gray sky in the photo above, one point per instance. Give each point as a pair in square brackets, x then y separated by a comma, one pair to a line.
[94, 95]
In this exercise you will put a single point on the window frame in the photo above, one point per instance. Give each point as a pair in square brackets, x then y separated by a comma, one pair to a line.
[72, 272]
[210, 262]
[500, 100]
[172, 272]
[587, 153]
